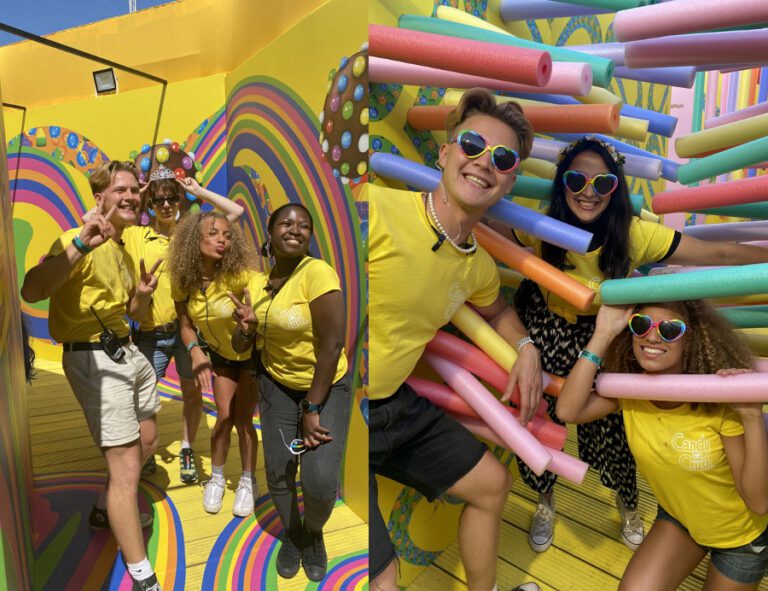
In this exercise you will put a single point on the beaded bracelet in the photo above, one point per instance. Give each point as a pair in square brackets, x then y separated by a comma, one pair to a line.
[522, 342]
[591, 357]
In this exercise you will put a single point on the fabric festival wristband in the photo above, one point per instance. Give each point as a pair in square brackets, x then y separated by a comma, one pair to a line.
[192, 345]
[591, 357]
[80, 245]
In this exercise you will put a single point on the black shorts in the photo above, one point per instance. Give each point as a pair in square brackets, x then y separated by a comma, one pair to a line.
[415, 443]
[219, 361]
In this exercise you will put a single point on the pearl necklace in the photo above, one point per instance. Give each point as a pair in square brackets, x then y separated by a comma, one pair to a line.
[448, 239]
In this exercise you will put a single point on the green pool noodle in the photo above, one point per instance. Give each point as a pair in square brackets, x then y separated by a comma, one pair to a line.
[711, 283]
[602, 68]
[746, 316]
[755, 211]
[733, 159]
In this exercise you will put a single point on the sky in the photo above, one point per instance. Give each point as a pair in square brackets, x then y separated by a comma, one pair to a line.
[43, 17]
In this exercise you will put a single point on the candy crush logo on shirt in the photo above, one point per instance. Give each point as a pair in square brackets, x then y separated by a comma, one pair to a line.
[293, 318]
[694, 453]
[456, 297]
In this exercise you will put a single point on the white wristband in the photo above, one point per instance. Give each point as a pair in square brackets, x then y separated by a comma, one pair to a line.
[522, 342]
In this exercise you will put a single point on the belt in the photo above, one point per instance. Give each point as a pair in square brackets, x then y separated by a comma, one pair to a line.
[89, 346]
[168, 327]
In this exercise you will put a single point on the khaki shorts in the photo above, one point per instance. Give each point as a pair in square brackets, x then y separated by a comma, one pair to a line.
[114, 395]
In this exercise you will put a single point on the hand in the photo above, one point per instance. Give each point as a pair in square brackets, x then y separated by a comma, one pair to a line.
[314, 433]
[147, 281]
[243, 313]
[526, 375]
[98, 229]
[202, 370]
[89, 214]
[744, 409]
[612, 320]
[191, 186]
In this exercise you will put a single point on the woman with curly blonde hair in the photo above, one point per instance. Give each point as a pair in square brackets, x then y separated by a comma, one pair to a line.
[707, 464]
[209, 260]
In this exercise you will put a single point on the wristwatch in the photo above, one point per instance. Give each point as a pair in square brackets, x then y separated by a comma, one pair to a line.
[307, 406]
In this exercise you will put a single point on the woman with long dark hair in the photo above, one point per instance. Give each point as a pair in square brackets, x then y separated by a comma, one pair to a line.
[590, 192]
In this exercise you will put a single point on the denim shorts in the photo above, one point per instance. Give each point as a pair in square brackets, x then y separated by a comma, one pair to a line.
[745, 564]
[159, 348]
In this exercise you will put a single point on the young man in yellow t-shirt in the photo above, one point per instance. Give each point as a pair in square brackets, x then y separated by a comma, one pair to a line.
[423, 264]
[92, 284]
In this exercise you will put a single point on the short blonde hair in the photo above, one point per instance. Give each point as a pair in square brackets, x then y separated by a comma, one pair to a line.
[103, 177]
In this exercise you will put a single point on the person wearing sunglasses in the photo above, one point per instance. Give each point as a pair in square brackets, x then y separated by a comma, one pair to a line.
[424, 263]
[590, 192]
[304, 385]
[158, 335]
[707, 464]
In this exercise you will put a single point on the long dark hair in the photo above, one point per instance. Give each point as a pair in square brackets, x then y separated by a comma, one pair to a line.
[612, 226]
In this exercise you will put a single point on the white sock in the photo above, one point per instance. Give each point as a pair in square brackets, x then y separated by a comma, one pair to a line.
[141, 570]
[185, 444]
[217, 472]
[495, 587]
[247, 478]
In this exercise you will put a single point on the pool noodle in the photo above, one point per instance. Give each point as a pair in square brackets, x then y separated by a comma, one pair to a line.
[715, 195]
[732, 232]
[748, 387]
[519, 10]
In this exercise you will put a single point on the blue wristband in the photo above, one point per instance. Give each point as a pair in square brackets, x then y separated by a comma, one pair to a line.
[80, 245]
[192, 345]
[591, 357]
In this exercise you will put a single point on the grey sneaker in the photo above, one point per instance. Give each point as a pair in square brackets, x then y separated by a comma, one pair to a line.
[244, 495]
[213, 493]
[632, 532]
[542, 525]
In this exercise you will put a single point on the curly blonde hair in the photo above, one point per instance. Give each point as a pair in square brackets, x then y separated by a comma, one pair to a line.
[710, 343]
[186, 262]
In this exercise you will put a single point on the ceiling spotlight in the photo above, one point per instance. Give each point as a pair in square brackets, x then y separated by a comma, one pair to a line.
[105, 81]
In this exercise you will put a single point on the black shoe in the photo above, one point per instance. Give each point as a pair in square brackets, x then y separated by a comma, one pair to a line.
[150, 466]
[288, 557]
[149, 584]
[313, 556]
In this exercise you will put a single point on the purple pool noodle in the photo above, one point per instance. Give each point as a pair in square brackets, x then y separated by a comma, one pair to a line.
[522, 10]
[681, 76]
[746, 113]
[734, 232]
[634, 165]
[406, 171]
[725, 48]
[611, 51]
[544, 227]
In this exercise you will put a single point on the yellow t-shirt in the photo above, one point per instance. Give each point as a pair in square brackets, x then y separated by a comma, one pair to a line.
[145, 243]
[211, 312]
[413, 290]
[285, 323]
[648, 243]
[680, 452]
[104, 279]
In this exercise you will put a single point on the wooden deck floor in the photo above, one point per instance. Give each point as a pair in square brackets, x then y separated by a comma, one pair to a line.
[586, 555]
[190, 549]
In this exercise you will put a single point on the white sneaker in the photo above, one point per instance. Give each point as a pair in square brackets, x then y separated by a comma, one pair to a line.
[244, 495]
[527, 587]
[542, 525]
[632, 532]
[213, 493]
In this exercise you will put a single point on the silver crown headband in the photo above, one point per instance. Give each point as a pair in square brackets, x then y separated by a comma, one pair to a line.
[161, 172]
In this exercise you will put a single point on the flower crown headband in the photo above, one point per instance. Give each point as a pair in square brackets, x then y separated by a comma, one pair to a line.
[617, 157]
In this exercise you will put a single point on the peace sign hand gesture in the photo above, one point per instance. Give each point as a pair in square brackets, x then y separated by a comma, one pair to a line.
[98, 229]
[244, 314]
[147, 281]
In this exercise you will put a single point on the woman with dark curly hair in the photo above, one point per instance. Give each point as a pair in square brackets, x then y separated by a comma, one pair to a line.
[590, 192]
[707, 464]
[208, 260]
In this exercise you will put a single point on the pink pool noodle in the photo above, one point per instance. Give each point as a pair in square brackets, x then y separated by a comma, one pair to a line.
[567, 77]
[753, 111]
[748, 387]
[476, 361]
[562, 464]
[490, 60]
[750, 190]
[710, 99]
[549, 433]
[761, 365]
[512, 433]
[687, 16]
[723, 48]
